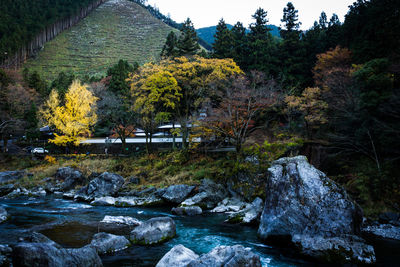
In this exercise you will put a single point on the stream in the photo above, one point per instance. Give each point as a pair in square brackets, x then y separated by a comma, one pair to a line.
[72, 225]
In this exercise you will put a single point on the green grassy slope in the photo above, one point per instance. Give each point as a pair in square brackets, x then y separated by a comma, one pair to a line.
[118, 29]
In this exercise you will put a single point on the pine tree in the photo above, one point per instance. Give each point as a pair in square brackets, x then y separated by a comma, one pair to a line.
[223, 41]
[187, 43]
[170, 47]
[240, 45]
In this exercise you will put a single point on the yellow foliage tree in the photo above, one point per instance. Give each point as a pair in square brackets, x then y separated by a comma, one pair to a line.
[74, 119]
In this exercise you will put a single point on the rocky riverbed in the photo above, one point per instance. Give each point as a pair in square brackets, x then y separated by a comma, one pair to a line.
[306, 217]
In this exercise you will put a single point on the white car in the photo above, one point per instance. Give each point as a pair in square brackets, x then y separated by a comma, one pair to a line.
[39, 150]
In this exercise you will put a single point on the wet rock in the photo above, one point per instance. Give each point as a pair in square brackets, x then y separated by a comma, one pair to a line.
[5, 255]
[178, 256]
[118, 224]
[107, 184]
[154, 231]
[6, 189]
[189, 211]
[108, 243]
[69, 195]
[386, 231]
[229, 205]
[3, 215]
[336, 250]
[36, 237]
[177, 193]
[42, 254]
[103, 201]
[231, 256]
[150, 200]
[210, 194]
[248, 215]
[5, 250]
[390, 218]
[301, 200]
[70, 177]
[9, 176]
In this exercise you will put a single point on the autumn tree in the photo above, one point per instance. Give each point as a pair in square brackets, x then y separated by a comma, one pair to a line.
[234, 117]
[73, 121]
[312, 107]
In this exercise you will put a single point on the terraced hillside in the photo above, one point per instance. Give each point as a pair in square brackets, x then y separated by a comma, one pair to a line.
[118, 29]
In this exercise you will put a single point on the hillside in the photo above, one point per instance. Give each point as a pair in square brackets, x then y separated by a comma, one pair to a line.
[207, 33]
[118, 29]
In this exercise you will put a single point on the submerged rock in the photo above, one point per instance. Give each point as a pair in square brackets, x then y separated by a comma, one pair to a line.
[3, 215]
[107, 243]
[210, 194]
[386, 231]
[301, 200]
[70, 177]
[107, 184]
[337, 250]
[232, 256]
[189, 211]
[249, 215]
[42, 254]
[11, 176]
[178, 256]
[154, 231]
[177, 193]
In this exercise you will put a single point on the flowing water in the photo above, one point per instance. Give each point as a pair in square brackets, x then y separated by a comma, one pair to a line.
[72, 224]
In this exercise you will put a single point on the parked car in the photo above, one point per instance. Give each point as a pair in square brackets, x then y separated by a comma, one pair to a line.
[39, 150]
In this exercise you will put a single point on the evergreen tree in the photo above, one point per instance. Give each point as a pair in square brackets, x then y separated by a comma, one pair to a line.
[262, 48]
[170, 47]
[36, 82]
[119, 73]
[223, 41]
[187, 43]
[62, 83]
[323, 20]
[240, 45]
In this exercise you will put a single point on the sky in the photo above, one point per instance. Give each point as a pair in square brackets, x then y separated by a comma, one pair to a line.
[204, 13]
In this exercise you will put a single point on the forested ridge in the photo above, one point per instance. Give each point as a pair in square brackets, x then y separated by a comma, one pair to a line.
[25, 26]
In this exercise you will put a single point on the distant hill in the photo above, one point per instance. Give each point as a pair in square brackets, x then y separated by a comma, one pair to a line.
[207, 33]
[118, 29]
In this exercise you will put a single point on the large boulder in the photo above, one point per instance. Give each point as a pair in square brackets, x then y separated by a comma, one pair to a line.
[36, 237]
[11, 176]
[70, 177]
[105, 185]
[103, 201]
[210, 194]
[301, 200]
[43, 254]
[189, 211]
[229, 205]
[154, 231]
[177, 193]
[132, 201]
[3, 215]
[178, 256]
[108, 243]
[249, 215]
[224, 256]
[335, 250]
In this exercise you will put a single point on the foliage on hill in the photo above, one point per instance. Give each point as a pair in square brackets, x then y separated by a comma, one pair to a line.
[115, 30]
[21, 20]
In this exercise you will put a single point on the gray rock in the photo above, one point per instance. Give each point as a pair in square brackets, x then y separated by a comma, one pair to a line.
[246, 185]
[103, 201]
[3, 215]
[105, 185]
[36, 237]
[210, 194]
[177, 193]
[336, 250]
[150, 200]
[228, 256]
[6, 189]
[248, 215]
[134, 180]
[154, 231]
[42, 254]
[230, 205]
[389, 218]
[301, 200]
[178, 256]
[386, 231]
[9, 176]
[189, 211]
[70, 176]
[5, 250]
[108, 243]
[118, 224]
